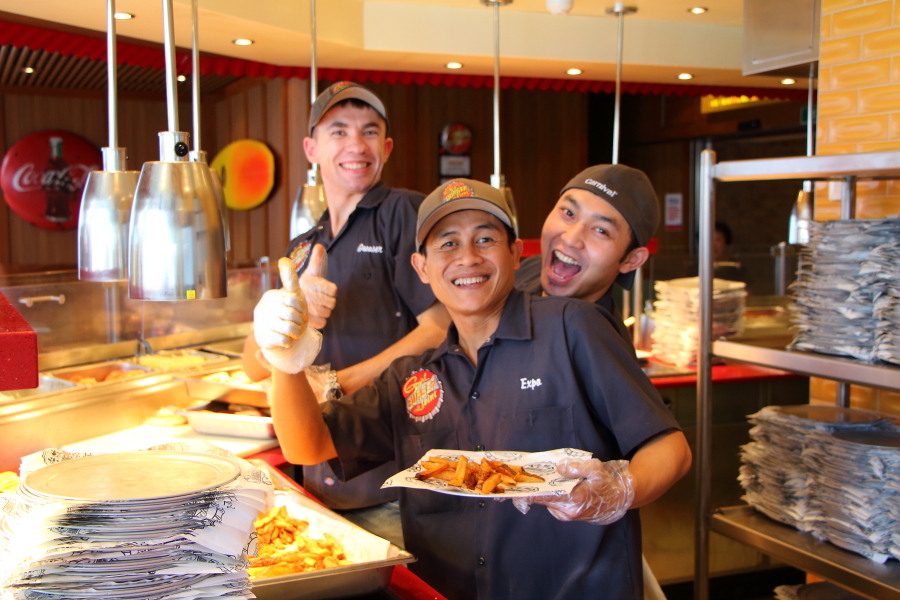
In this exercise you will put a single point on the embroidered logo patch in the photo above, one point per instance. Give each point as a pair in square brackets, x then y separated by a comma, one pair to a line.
[340, 85]
[299, 254]
[456, 190]
[424, 395]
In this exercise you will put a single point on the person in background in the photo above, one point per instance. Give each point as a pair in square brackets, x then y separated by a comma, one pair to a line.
[595, 236]
[361, 290]
[724, 265]
[515, 372]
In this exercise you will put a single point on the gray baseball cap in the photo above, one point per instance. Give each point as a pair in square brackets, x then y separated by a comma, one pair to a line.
[338, 92]
[630, 192]
[456, 195]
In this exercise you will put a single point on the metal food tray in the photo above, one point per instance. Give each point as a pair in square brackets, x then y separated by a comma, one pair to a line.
[207, 357]
[47, 384]
[216, 423]
[101, 371]
[349, 581]
[234, 393]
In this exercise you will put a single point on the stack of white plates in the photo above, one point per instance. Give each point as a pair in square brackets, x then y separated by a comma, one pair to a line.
[856, 479]
[676, 313]
[132, 525]
[820, 590]
[775, 478]
[834, 302]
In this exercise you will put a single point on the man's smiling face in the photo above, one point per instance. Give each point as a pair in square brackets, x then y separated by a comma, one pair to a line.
[584, 243]
[351, 146]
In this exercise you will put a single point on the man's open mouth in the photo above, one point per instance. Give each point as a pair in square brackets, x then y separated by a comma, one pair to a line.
[562, 266]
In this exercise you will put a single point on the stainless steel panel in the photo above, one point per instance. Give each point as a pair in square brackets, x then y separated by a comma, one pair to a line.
[868, 164]
[780, 37]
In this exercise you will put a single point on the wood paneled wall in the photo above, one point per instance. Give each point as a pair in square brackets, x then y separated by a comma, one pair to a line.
[544, 141]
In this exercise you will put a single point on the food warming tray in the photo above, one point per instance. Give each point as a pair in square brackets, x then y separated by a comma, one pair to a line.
[203, 420]
[234, 393]
[177, 360]
[100, 372]
[47, 385]
[349, 581]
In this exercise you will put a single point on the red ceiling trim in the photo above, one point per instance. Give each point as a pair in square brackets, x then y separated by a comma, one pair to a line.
[71, 44]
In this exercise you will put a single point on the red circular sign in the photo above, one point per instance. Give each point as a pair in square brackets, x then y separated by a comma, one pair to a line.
[43, 175]
[456, 138]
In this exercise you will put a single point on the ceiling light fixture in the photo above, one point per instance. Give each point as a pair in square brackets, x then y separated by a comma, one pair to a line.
[685, 76]
[242, 42]
[698, 10]
[574, 71]
[788, 81]
[28, 70]
[454, 65]
[181, 78]
[123, 16]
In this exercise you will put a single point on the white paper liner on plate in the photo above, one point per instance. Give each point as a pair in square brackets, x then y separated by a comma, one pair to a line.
[543, 464]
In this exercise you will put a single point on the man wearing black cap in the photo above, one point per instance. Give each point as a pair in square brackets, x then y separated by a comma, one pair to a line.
[595, 236]
[515, 373]
[365, 298]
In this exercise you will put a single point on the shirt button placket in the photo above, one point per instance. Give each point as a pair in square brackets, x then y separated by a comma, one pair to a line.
[481, 561]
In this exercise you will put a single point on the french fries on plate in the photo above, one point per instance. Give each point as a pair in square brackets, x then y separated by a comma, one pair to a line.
[487, 477]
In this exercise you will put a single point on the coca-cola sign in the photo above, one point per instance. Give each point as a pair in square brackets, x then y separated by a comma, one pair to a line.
[43, 174]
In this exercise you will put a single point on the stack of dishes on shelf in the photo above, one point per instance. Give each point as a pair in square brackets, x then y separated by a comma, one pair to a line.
[131, 525]
[820, 590]
[802, 470]
[883, 264]
[676, 313]
[833, 304]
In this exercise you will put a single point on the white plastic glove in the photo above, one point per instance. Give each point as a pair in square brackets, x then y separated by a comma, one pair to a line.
[603, 496]
[320, 293]
[280, 325]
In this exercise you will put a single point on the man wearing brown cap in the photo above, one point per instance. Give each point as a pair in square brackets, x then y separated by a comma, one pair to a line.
[365, 298]
[595, 236]
[515, 373]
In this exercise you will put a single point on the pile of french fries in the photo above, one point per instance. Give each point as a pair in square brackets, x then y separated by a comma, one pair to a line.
[487, 477]
[284, 549]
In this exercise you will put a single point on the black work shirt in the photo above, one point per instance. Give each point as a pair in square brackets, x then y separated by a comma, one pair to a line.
[528, 279]
[554, 375]
[379, 295]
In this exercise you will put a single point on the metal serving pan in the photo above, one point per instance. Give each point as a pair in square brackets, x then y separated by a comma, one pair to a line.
[202, 420]
[177, 360]
[226, 391]
[100, 373]
[47, 385]
[349, 581]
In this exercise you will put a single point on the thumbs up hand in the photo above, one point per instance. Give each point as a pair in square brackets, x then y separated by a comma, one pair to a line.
[320, 293]
[280, 324]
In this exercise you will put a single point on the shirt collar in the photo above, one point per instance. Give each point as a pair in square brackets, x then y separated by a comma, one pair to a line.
[515, 324]
[375, 196]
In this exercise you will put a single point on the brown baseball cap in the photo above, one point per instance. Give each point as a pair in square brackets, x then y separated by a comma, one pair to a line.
[456, 195]
[630, 192]
[338, 92]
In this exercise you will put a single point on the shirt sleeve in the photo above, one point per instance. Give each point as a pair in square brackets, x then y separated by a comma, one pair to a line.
[360, 428]
[401, 220]
[621, 395]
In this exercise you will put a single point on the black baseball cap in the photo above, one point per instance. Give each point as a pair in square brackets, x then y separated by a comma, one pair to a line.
[630, 192]
[338, 92]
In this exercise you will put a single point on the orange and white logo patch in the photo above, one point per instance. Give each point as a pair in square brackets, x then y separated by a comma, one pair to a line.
[424, 395]
[456, 190]
[299, 255]
[340, 85]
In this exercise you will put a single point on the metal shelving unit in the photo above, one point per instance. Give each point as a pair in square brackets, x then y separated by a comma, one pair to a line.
[744, 524]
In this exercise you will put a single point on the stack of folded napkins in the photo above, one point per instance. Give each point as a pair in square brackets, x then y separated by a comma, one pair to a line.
[161, 523]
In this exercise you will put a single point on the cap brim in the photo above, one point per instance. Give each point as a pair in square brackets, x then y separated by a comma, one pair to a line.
[454, 206]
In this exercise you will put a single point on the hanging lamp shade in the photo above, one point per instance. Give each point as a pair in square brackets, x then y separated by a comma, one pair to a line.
[176, 248]
[106, 201]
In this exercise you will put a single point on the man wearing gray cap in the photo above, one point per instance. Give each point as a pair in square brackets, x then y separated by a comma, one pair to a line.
[595, 236]
[354, 270]
[515, 373]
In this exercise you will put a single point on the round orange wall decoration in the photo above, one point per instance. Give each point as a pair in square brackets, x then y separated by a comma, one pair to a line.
[247, 170]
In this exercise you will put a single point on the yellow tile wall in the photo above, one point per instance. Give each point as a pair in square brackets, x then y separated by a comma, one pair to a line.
[859, 111]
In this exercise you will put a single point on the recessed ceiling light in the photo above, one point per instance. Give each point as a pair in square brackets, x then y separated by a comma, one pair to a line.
[574, 72]
[181, 78]
[788, 81]
[697, 10]
[685, 76]
[454, 65]
[242, 42]
[28, 70]
[123, 16]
